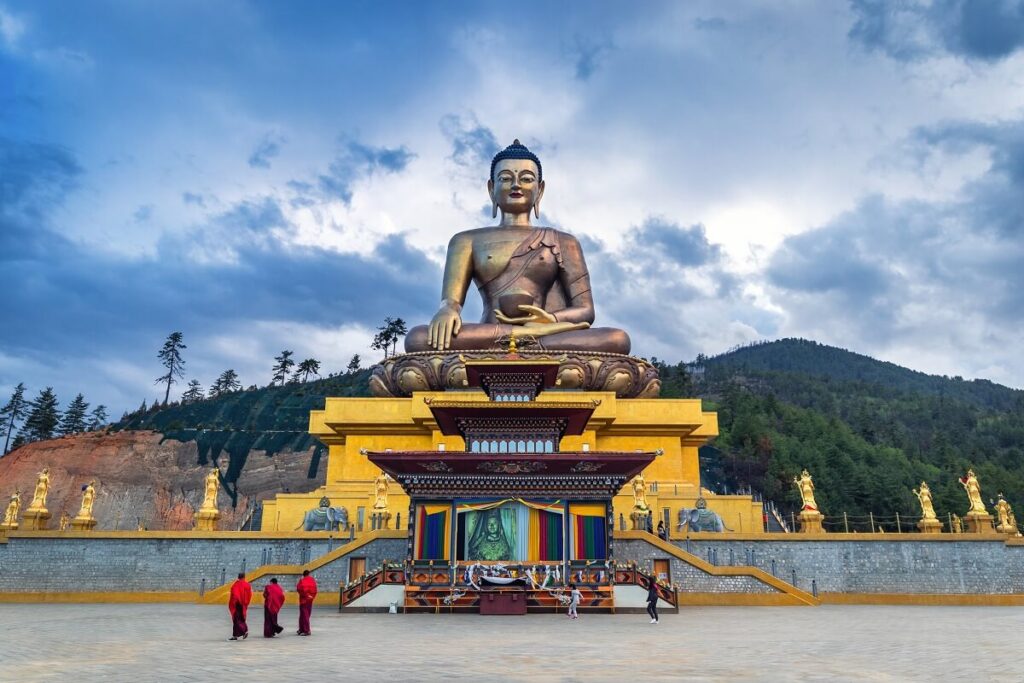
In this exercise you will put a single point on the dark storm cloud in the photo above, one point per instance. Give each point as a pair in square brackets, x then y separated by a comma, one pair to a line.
[986, 30]
[34, 178]
[358, 160]
[684, 246]
[268, 148]
[473, 144]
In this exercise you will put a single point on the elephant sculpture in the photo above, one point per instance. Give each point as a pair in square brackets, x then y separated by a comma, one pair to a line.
[701, 519]
[325, 518]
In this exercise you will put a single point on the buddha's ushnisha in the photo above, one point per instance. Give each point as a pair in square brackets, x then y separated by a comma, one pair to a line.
[533, 280]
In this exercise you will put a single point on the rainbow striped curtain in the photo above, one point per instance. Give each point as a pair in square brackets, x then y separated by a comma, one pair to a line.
[433, 533]
[545, 535]
[588, 531]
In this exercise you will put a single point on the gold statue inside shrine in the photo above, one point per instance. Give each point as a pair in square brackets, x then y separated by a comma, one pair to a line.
[973, 489]
[805, 485]
[533, 280]
[924, 496]
[42, 489]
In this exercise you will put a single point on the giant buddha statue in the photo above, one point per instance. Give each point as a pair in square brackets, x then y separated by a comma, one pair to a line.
[535, 288]
[533, 280]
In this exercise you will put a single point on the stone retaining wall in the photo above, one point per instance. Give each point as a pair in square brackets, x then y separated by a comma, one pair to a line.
[846, 564]
[54, 564]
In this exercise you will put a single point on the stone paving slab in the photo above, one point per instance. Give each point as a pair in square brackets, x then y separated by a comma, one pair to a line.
[828, 643]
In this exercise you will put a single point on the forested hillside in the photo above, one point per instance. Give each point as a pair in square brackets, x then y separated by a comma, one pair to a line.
[868, 431]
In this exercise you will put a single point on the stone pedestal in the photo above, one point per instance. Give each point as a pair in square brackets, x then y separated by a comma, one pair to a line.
[83, 523]
[810, 522]
[641, 520]
[206, 520]
[929, 526]
[978, 523]
[35, 520]
[13, 526]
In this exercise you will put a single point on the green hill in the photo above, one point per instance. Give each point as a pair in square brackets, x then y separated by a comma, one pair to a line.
[867, 430]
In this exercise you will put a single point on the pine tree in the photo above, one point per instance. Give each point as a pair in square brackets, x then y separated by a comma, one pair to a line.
[193, 393]
[73, 420]
[308, 367]
[353, 365]
[283, 367]
[43, 417]
[98, 418]
[13, 412]
[170, 358]
[225, 384]
[388, 335]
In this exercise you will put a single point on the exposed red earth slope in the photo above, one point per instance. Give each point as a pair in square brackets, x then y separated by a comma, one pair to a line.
[141, 478]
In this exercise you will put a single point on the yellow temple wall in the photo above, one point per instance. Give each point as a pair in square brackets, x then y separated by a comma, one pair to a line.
[677, 427]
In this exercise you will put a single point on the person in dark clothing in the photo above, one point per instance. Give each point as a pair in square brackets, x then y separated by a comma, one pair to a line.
[662, 534]
[652, 600]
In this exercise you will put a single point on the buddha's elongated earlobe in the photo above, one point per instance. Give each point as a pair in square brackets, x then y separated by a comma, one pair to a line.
[494, 200]
[536, 209]
[494, 209]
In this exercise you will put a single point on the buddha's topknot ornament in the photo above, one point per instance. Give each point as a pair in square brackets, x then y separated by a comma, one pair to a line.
[517, 150]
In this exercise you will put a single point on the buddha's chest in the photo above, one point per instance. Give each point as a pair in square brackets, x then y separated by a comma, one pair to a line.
[492, 254]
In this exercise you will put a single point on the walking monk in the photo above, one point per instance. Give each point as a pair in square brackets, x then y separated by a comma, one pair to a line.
[238, 605]
[273, 598]
[306, 588]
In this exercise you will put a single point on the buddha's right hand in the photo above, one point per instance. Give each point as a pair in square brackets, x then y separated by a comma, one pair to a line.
[446, 323]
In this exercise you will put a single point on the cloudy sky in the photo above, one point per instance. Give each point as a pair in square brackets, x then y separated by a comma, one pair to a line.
[267, 176]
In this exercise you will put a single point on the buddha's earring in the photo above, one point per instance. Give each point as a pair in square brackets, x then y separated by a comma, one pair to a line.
[494, 209]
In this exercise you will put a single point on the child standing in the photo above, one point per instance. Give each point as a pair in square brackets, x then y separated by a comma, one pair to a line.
[574, 600]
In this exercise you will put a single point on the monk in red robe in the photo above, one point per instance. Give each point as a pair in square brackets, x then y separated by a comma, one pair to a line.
[273, 598]
[238, 605]
[306, 588]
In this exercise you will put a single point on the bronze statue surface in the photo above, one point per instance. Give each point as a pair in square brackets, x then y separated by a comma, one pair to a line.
[533, 280]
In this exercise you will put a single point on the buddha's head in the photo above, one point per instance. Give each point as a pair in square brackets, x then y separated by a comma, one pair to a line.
[516, 184]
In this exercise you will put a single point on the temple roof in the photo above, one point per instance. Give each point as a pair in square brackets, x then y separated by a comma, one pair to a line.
[452, 416]
[564, 474]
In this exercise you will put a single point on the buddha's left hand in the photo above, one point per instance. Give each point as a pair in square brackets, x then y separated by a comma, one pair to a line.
[536, 315]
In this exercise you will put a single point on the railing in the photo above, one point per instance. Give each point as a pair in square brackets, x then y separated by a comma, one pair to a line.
[386, 575]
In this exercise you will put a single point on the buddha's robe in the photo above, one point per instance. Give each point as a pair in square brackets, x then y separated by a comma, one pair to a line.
[238, 606]
[273, 599]
[547, 266]
[306, 588]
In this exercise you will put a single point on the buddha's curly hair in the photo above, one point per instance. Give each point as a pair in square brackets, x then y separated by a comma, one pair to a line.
[517, 150]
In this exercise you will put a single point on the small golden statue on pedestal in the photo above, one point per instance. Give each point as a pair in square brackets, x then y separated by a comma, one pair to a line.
[957, 526]
[37, 517]
[978, 519]
[929, 523]
[380, 503]
[1007, 520]
[208, 514]
[84, 521]
[641, 515]
[65, 520]
[10, 522]
[810, 517]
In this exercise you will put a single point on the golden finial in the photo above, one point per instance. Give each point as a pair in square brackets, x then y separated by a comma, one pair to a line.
[512, 348]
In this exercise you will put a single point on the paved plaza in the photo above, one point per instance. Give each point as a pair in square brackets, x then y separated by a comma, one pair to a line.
[828, 643]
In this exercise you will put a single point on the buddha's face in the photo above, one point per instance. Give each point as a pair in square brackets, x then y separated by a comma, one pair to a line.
[492, 527]
[515, 187]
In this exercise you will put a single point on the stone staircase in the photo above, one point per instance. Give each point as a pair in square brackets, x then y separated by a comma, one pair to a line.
[761, 586]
